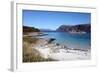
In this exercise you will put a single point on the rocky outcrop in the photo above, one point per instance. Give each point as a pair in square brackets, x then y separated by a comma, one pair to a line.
[81, 28]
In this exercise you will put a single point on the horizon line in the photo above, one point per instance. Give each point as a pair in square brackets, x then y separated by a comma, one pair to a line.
[58, 26]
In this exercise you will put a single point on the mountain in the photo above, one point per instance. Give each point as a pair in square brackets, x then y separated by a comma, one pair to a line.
[81, 28]
[30, 29]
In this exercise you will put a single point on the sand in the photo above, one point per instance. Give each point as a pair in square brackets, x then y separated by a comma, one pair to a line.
[59, 53]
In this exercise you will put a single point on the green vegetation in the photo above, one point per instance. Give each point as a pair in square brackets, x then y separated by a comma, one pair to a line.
[30, 54]
[30, 40]
[27, 29]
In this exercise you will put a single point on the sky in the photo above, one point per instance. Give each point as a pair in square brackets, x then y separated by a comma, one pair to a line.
[53, 19]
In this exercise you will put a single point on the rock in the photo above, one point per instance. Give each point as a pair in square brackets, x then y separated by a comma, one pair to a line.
[51, 40]
[81, 28]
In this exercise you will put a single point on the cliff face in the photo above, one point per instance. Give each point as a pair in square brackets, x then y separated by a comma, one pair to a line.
[75, 28]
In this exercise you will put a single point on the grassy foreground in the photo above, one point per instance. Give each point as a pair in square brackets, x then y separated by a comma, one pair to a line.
[30, 54]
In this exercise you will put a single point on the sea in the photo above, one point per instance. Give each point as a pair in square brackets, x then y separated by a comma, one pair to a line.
[71, 40]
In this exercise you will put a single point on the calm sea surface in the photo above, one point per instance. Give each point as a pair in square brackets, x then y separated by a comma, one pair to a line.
[80, 41]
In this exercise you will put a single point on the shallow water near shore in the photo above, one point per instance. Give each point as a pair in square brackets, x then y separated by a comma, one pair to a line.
[63, 46]
[80, 41]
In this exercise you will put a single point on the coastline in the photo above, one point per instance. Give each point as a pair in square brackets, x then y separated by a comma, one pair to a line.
[47, 49]
[61, 52]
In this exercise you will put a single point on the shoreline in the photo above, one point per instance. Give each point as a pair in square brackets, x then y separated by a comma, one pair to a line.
[49, 50]
[60, 52]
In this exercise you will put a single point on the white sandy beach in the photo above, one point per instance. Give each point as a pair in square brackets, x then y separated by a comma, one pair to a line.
[59, 53]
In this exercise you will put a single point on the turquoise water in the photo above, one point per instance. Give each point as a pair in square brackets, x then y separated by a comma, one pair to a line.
[80, 41]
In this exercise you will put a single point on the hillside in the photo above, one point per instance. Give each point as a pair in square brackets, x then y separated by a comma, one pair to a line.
[75, 28]
[30, 29]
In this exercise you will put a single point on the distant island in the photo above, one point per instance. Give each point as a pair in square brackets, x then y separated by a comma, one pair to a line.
[80, 28]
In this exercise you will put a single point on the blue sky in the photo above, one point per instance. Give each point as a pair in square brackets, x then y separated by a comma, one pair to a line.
[52, 19]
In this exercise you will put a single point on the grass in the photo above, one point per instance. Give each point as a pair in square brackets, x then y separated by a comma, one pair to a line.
[30, 40]
[30, 54]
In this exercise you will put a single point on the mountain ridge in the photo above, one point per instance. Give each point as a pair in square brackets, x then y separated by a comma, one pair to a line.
[75, 28]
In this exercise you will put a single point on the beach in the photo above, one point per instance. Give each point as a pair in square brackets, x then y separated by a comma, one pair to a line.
[49, 50]
[61, 52]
